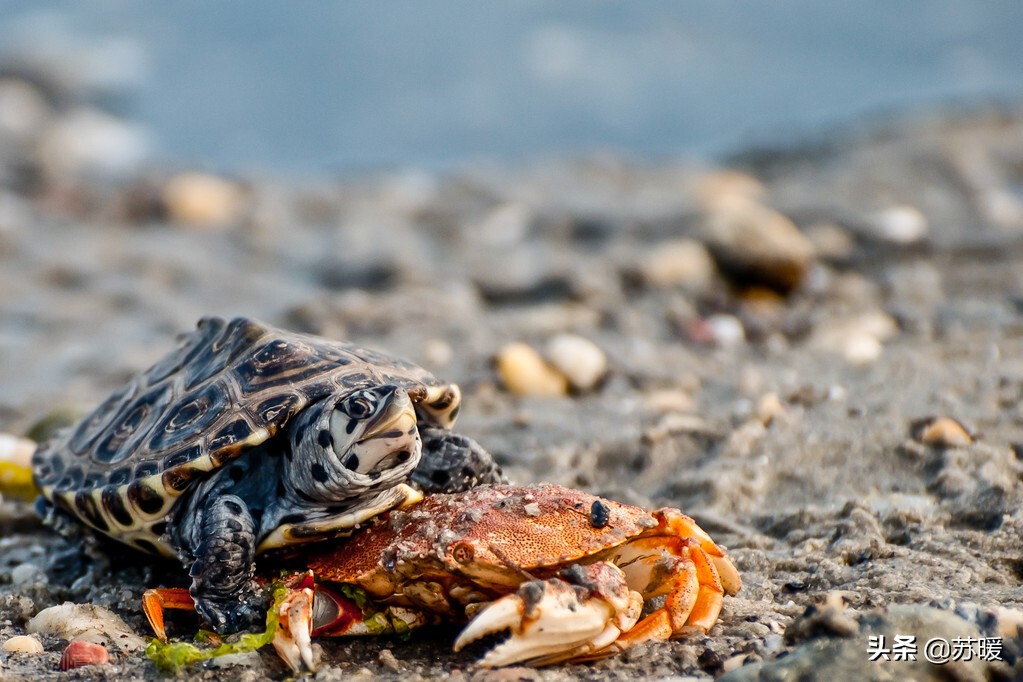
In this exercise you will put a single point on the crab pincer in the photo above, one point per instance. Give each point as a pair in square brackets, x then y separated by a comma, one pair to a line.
[580, 612]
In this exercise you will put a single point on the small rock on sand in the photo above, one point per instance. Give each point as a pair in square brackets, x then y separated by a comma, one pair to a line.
[23, 644]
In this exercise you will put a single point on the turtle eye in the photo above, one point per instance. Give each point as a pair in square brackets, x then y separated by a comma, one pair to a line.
[359, 405]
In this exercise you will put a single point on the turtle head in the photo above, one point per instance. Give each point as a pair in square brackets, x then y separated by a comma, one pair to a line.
[366, 440]
[374, 431]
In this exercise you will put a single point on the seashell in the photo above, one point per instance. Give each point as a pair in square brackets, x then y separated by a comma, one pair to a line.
[79, 654]
[23, 644]
[85, 622]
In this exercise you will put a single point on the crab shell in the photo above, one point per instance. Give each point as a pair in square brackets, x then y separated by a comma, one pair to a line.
[450, 552]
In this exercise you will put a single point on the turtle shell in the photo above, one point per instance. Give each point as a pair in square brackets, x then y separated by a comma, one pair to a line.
[230, 386]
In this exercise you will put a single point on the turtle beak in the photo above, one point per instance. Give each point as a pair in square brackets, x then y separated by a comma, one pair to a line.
[395, 420]
[390, 446]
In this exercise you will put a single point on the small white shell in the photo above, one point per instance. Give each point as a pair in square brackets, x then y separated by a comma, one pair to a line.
[23, 644]
[86, 622]
[581, 361]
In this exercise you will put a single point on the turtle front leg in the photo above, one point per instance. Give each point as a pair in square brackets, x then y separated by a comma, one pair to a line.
[222, 585]
[453, 463]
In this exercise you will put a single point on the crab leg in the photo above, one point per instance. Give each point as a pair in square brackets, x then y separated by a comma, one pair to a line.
[675, 524]
[687, 578]
[156, 600]
[293, 638]
[312, 610]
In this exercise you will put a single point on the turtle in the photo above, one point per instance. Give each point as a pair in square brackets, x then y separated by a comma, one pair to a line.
[247, 438]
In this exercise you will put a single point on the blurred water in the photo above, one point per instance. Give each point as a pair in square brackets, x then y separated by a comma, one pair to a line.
[313, 86]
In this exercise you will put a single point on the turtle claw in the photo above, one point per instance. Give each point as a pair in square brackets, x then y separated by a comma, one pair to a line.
[556, 620]
[293, 638]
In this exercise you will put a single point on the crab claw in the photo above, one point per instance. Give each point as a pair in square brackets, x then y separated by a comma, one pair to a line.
[293, 639]
[309, 609]
[574, 615]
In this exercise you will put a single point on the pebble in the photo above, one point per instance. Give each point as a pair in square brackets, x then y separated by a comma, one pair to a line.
[862, 349]
[733, 663]
[669, 400]
[202, 200]
[756, 245]
[724, 185]
[942, 432]
[23, 109]
[1001, 205]
[507, 224]
[16, 608]
[580, 360]
[899, 224]
[80, 653]
[830, 242]
[87, 622]
[726, 330]
[773, 643]
[523, 274]
[387, 660]
[675, 423]
[828, 618]
[744, 439]
[681, 262]
[86, 140]
[23, 644]
[26, 574]
[769, 408]
[858, 338]
[524, 372]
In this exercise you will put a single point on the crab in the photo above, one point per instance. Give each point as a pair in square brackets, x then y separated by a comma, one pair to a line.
[569, 575]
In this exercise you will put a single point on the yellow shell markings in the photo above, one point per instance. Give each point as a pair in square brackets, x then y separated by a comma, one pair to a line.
[283, 535]
[143, 522]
